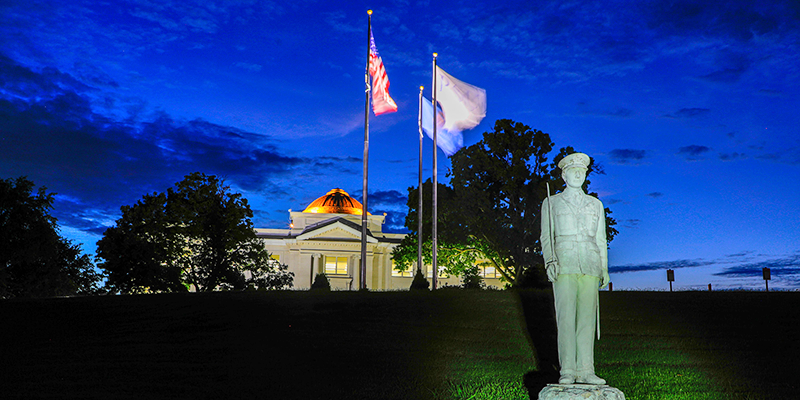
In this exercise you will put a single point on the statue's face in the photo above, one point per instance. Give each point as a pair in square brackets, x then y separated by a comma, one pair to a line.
[574, 177]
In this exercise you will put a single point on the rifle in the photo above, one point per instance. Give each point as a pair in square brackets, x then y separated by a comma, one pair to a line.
[554, 257]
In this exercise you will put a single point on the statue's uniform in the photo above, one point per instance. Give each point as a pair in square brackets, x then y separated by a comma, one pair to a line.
[579, 233]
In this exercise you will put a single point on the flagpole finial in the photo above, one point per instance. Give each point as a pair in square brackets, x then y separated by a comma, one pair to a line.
[435, 55]
[421, 88]
[369, 12]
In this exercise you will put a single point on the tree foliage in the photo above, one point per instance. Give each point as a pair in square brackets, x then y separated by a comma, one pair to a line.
[490, 213]
[198, 234]
[35, 261]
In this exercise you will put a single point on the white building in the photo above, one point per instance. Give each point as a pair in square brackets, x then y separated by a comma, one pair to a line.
[326, 238]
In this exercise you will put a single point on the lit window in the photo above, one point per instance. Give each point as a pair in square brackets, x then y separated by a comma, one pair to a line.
[395, 272]
[335, 265]
[490, 272]
[274, 260]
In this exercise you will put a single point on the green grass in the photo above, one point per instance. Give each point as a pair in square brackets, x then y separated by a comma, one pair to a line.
[700, 345]
[284, 345]
[450, 344]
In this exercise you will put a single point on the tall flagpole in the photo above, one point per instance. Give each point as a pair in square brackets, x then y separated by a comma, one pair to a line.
[434, 243]
[419, 191]
[362, 276]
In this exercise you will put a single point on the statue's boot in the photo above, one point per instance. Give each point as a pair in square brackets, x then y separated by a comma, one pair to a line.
[566, 379]
[590, 378]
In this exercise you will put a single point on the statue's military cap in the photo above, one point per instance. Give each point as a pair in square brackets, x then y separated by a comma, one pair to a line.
[573, 160]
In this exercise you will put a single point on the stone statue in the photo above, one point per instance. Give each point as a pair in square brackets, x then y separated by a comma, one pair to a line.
[574, 247]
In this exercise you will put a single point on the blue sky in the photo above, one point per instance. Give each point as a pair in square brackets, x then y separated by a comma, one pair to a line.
[691, 108]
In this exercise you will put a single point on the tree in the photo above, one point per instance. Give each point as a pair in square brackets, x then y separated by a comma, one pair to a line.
[140, 252]
[198, 234]
[491, 212]
[457, 250]
[35, 261]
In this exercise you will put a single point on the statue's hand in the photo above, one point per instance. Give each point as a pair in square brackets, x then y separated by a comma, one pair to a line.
[605, 280]
[552, 270]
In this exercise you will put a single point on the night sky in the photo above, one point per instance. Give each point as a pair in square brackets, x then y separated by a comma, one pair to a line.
[691, 108]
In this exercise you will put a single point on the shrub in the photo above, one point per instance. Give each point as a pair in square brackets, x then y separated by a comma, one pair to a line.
[419, 281]
[472, 278]
[321, 282]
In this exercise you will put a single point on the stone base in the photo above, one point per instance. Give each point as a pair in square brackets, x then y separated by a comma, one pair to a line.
[580, 392]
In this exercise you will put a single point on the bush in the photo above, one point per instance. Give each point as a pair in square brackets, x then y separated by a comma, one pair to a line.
[472, 278]
[321, 282]
[419, 281]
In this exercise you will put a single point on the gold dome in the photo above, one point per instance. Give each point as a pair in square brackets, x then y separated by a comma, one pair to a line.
[337, 201]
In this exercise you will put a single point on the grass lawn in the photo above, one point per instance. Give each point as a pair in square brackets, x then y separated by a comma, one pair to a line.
[450, 344]
[701, 345]
[281, 345]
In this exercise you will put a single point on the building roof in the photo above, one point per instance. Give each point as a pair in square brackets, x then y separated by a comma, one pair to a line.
[320, 228]
[336, 201]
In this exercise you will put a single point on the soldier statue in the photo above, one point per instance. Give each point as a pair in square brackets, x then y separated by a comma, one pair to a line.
[574, 246]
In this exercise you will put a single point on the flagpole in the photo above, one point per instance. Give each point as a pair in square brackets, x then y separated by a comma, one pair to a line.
[419, 191]
[362, 276]
[434, 244]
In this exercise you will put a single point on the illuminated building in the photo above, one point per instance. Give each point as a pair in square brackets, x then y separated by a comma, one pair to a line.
[326, 238]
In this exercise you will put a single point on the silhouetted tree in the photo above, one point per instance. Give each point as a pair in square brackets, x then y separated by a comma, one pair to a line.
[140, 252]
[35, 261]
[491, 211]
[197, 234]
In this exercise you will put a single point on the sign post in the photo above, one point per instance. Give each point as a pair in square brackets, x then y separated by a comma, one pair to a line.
[670, 278]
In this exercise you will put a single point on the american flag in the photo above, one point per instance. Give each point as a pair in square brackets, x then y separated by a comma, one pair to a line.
[381, 101]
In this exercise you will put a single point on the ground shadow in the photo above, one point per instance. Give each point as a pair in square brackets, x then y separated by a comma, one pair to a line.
[539, 311]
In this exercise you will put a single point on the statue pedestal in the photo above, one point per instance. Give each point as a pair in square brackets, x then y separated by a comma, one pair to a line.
[580, 392]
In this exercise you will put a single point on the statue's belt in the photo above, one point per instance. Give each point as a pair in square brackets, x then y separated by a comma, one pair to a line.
[574, 238]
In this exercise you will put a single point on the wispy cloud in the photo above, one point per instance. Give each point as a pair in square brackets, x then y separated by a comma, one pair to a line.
[626, 156]
[339, 21]
[732, 156]
[391, 202]
[97, 163]
[730, 20]
[660, 265]
[741, 269]
[693, 152]
[631, 223]
[249, 66]
[783, 266]
[689, 113]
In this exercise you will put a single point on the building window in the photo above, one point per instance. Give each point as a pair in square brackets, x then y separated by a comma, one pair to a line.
[407, 273]
[335, 265]
[490, 272]
[274, 259]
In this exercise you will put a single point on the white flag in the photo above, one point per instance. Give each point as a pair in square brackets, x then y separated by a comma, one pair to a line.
[449, 141]
[463, 105]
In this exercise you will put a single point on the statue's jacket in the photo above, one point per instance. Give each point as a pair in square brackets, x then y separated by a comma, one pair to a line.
[579, 233]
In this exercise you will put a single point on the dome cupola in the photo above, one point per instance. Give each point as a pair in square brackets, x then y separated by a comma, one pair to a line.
[337, 201]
